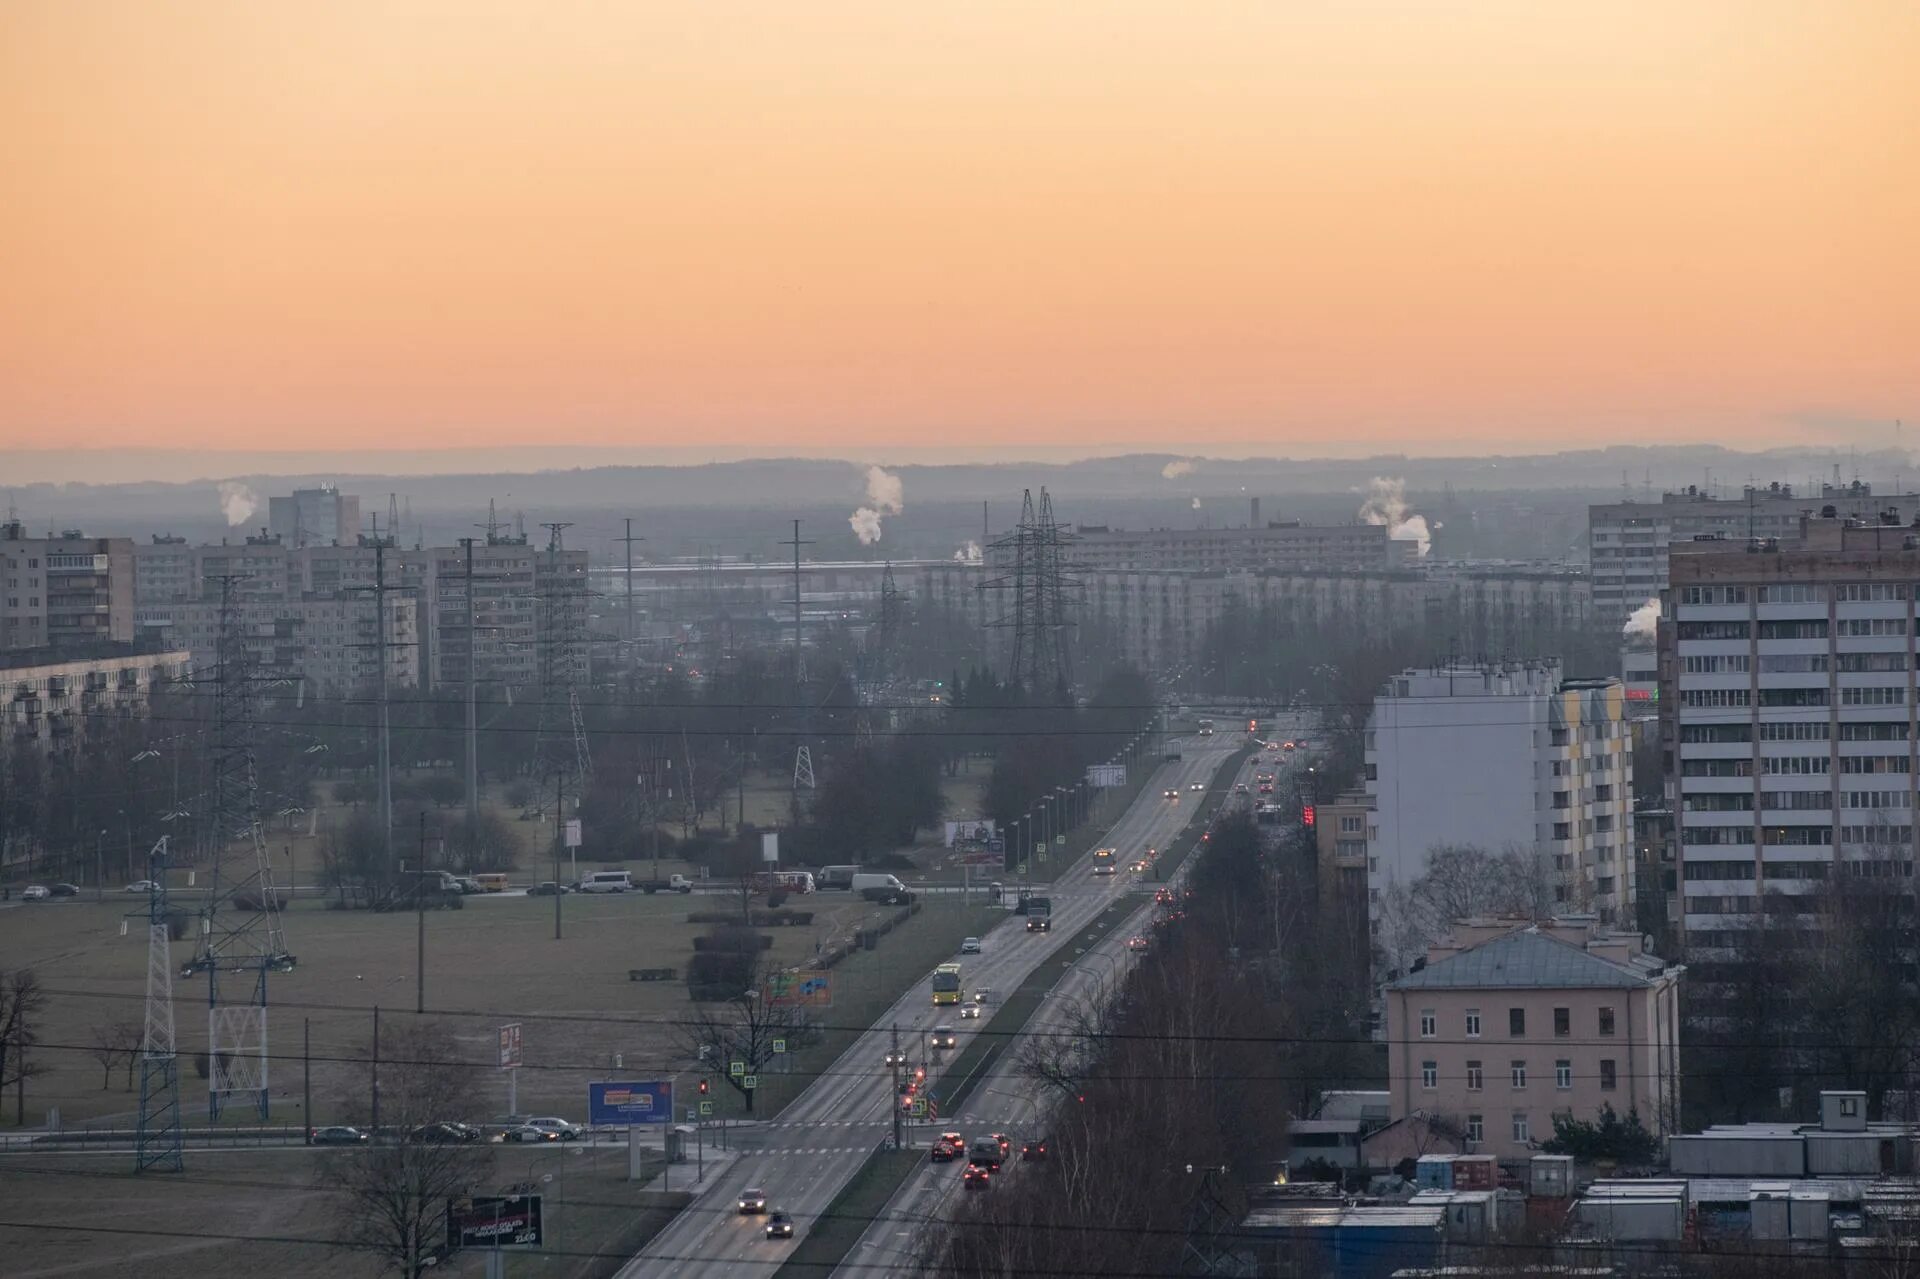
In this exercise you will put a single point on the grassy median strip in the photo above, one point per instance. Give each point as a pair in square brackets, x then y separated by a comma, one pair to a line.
[852, 1211]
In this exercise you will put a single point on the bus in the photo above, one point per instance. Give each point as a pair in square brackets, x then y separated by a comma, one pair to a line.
[1206, 728]
[1103, 860]
[946, 984]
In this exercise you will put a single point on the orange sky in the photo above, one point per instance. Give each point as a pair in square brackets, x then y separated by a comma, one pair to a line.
[1295, 224]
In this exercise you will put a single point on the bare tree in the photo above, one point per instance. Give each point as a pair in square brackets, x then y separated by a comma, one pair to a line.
[1460, 881]
[743, 1029]
[21, 1003]
[105, 1048]
[392, 1197]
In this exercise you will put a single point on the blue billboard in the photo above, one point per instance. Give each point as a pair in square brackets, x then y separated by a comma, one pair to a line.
[647, 1101]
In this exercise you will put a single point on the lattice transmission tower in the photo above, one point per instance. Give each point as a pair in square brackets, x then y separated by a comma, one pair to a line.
[158, 1140]
[1038, 596]
[561, 755]
[240, 929]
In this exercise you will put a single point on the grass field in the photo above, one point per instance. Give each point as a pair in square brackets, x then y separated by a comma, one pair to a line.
[493, 962]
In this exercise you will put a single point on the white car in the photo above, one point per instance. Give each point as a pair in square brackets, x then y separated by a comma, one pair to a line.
[141, 886]
[559, 1129]
[971, 946]
[35, 893]
[969, 1012]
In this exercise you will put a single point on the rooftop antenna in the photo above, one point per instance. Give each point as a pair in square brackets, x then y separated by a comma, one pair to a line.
[493, 526]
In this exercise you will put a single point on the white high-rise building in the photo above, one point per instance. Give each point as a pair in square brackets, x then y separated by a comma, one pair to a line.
[1787, 714]
[1502, 756]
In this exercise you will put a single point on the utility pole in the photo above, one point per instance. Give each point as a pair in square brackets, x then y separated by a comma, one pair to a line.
[376, 1074]
[306, 1078]
[420, 923]
[803, 754]
[473, 717]
[559, 829]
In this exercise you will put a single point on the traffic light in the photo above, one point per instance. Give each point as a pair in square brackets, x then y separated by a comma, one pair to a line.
[703, 1087]
[1306, 815]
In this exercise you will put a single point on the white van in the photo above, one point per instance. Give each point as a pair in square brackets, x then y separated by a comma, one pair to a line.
[608, 881]
[880, 888]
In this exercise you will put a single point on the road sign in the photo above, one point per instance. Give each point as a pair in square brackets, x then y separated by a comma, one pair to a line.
[1024, 867]
[573, 832]
[1106, 776]
[919, 1107]
[1060, 841]
[643, 1102]
[494, 1221]
[1042, 854]
[510, 1047]
[779, 1045]
[750, 1082]
[770, 846]
[737, 1068]
[706, 1108]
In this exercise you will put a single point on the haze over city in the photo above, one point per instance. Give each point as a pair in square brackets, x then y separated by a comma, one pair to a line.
[767, 641]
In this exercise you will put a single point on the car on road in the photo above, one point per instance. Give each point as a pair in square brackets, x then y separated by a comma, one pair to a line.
[969, 1012]
[1137, 943]
[779, 1224]
[140, 886]
[976, 1177]
[944, 1152]
[1171, 793]
[35, 893]
[1239, 788]
[468, 885]
[337, 1135]
[66, 890]
[896, 1058]
[955, 1140]
[443, 1134]
[981, 996]
[970, 946]
[1266, 788]
[1162, 895]
[1034, 1150]
[943, 1037]
[547, 888]
[1197, 786]
[1005, 1143]
[527, 1132]
[752, 1200]
[543, 1128]
[985, 1152]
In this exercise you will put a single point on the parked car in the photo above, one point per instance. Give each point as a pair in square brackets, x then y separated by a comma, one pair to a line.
[970, 946]
[337, 1135]
[976, 1177]
[753, 1200]
[547, 888]
[779, 1224]
[35, 893]
[140, 886]
[66, 890]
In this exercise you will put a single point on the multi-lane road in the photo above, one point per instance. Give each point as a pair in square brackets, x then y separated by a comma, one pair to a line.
[822, 1138]
[1004, 1100]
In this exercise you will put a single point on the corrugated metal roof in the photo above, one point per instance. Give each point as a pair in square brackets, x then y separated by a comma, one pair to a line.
[1523, 959]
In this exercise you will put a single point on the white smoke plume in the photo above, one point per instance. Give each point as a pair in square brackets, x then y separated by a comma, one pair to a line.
[968, 554]
[885, 496]
[1644, 620]
[237, 502]
[1174, 470]
[1387, 504]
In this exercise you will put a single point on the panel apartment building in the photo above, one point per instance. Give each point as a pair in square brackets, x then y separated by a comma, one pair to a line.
[1277, 544]
[1504, 755]
[65, 592]
[1627, 541]
[1787, 714]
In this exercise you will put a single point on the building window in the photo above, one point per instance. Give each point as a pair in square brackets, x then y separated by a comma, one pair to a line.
[1606, 1021]
[1476, 1077]
[1429, 1074]
[1521, 1133]
[1849, 1107]
[1427, 1026]
[1607, 1076]
[1516, 1022]
[1473, 1023]
[1519, 1071]
[1562, 1022]
[1476, 1128]
[1563, 1074]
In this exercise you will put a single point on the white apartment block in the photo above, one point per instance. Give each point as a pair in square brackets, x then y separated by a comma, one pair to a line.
[69, 593]
[315, 517]
[1627, 541]
[1498, 756]
[1787, 714]
[332, 644]
[50, 703]
[1281, 544]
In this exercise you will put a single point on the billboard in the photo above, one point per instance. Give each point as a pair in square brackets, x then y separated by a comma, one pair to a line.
[494, 1221]
[510, 1047]
[647, 1101]
[1106, 776]
[970, 832]
[800, 990]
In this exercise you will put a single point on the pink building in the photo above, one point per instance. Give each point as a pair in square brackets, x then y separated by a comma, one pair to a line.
[1510, 1023]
